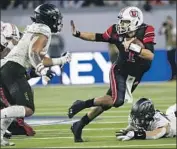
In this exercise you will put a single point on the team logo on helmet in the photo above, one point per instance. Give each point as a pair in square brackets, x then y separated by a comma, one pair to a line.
[133, 13]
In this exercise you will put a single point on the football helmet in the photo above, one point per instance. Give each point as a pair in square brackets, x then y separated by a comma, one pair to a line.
[49, 15]
[129, 19]
[142, 112]
[10, 35]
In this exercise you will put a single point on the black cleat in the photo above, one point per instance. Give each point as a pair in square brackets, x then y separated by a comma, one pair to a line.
[77, 106]
[76, 129]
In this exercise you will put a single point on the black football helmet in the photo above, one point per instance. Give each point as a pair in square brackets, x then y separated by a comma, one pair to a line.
[142, 112]
[49, 15]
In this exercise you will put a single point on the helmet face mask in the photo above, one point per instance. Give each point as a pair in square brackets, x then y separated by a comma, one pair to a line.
[123, 26]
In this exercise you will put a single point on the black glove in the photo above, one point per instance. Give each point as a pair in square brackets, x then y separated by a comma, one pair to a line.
[50, 74]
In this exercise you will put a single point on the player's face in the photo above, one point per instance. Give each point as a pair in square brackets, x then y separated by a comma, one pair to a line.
[123, 26]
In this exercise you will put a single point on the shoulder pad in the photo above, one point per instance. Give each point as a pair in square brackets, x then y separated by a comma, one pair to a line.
[39, 28]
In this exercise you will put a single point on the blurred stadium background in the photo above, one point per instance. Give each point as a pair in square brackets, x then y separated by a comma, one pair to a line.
[88, 73]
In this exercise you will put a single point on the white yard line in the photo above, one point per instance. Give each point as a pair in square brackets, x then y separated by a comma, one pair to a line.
[103, 85]
[43, 138]
[113, 111]
[115, 146]
[87, 129]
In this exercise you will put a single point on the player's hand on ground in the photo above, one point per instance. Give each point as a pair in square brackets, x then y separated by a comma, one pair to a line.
[125, 137]
[127, 43]
[73, 29]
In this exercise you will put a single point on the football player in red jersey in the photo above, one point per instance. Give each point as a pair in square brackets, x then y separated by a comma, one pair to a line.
[126, 73]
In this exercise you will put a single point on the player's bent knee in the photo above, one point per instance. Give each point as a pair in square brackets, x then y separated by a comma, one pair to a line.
[29, 111]
[118, 103]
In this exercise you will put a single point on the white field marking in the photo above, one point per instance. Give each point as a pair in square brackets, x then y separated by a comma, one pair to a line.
[162, 103]
[65, 113]
[98, 122]
[114, 146]
[157, 83]
[86, 129]
[113, 111]
[17, 138]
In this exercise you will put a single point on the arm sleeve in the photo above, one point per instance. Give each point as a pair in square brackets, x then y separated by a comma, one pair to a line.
[149, 46]
[149, 35]
[106, 36]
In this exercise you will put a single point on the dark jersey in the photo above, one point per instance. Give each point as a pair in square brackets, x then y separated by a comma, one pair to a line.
[129, 62]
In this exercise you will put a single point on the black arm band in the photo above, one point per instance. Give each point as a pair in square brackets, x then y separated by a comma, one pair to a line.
[77, 34]
[140, 134]
[99, 37]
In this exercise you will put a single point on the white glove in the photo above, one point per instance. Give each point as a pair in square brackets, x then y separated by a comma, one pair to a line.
[128, 136]
[41, 70]
[45, 80]
[66, 58]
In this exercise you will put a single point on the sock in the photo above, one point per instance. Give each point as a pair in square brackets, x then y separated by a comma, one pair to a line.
[13, 112]
[5, 123]
[89, 103]
[85, 120]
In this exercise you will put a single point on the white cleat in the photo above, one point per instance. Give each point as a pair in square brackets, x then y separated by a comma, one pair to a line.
[6, 142]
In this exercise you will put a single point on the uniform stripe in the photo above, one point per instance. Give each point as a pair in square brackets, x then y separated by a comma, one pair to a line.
[107, 33]
[113, 84]
[3, 97]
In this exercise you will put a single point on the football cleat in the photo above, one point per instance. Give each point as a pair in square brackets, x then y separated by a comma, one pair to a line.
[77, 106]
[6, 142]
[76, 129]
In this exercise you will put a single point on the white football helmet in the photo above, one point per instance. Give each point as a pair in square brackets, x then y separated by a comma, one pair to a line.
[129, 19]
[10, 35]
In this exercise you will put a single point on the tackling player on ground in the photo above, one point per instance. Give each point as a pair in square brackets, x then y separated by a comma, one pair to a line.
[29, 52]
[145, 122]
[126, 73]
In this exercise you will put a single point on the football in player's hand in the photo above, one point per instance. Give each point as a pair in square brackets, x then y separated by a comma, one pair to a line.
[138, 42]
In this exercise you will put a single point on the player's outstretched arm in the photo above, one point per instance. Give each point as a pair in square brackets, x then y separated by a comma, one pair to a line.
[83, 35]
[156, 134]
[47, 61]
[142, 134]
[37, 58]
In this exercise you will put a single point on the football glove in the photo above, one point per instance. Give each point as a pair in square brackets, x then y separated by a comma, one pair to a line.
[67, 58]
[49, 75]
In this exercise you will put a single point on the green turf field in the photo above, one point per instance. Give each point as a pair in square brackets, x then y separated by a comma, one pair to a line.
[54, 101]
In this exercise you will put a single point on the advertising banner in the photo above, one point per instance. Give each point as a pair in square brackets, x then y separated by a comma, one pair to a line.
[93, 67]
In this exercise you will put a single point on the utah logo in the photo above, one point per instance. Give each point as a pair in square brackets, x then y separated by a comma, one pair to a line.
[133, 13]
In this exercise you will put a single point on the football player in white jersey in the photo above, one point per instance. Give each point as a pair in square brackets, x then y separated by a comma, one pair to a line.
[29, 52]
[10, 36]
[147, 123]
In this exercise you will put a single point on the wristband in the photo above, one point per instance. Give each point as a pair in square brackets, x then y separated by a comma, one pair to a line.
[135, 48]
[59, 61]
[77, 34]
